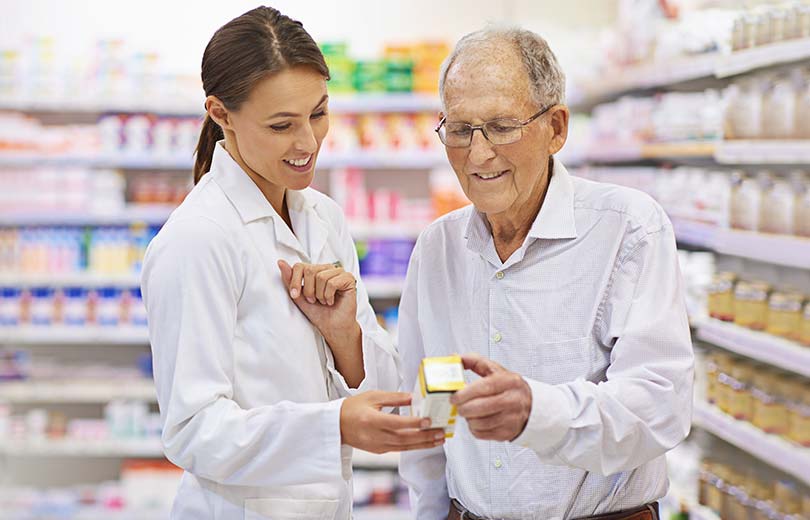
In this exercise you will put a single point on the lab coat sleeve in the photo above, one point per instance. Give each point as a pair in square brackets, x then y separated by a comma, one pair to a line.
[643, 409]
[192, 281]
[422, 470]
[380, 358]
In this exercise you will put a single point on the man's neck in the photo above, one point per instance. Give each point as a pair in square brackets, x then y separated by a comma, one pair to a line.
[510, 229]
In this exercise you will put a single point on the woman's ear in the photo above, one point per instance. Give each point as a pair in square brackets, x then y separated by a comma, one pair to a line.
[217, 111]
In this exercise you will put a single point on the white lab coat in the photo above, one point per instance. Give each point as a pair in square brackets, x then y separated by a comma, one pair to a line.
[248, 391]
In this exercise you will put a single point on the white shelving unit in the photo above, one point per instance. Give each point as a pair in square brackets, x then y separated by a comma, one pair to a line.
[77, 391]
[794, 151]
[788, 251]
[383, 287]
[152, 214]
[379, 512]
[676, 497]
[689, 68]
[763, 347]
[368, 460]
[729, 152]
[779, 453]
[82, 279]
[133, 448]
[168, 106]
[368, 159]
[79, 335]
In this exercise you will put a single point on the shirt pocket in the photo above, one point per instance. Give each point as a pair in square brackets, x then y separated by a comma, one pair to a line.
[561, 362]
[290, 509]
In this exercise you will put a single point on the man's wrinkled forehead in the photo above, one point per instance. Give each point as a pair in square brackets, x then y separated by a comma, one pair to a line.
[488, 67]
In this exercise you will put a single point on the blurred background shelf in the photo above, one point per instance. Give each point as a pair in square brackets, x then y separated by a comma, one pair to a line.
[783, 455]
[117, 448]
[784, 250]
[76, 391]
[65, 335]
[364, 459]
[761, 346]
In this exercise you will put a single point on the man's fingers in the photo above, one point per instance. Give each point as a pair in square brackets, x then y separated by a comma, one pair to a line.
[482, 407]
[480, 365]
[484, 387]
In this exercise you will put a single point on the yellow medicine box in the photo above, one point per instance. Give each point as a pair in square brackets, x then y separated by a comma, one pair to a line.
[439, 378]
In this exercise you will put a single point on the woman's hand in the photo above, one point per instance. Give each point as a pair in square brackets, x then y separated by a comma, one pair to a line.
[364, 426]
[327, 295]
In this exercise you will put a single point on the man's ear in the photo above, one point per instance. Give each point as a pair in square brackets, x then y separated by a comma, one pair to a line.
[217, 111]
[558, 120]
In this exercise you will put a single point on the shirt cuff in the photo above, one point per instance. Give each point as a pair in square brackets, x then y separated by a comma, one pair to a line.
[368, 348]
[549, 419]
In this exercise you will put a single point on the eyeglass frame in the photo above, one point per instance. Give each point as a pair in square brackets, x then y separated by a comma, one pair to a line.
[480, 127]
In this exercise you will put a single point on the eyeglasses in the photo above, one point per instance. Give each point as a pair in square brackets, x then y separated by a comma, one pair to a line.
[498, 131]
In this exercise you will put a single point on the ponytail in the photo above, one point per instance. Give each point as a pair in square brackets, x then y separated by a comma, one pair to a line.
[209, 135]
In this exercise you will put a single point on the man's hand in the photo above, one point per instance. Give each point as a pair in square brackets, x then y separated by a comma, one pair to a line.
[364, 426]
[497, 406]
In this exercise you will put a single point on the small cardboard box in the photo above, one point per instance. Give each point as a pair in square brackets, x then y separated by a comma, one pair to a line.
[439, 378]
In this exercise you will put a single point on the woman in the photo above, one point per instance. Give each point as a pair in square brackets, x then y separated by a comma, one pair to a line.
[264, 346]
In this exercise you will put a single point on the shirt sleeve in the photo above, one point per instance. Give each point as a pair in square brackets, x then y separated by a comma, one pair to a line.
[192, 281]
[644, 407]
[422, 470]
[380, 358]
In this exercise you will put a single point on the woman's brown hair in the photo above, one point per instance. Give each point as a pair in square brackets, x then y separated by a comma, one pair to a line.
[241, 53]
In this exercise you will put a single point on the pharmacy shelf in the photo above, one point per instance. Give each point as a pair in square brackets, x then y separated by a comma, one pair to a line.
[383, 288]
[761, 346]
[79, 335]
[365, 459]
[648, 76]
[378, 512]
[372, 159]
[370, 231]
[782, 250]
[731, 152]
[151, 214]
[77, 391]
[777, 452]
[695, 234]
[81, 279]
[673, 71]
[676, 497]
[774, 152]
[762, 57]
[141, 448]
[338, 103]
[382, 102]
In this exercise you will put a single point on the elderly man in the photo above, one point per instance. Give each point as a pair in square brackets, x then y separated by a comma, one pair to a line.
[564, 298]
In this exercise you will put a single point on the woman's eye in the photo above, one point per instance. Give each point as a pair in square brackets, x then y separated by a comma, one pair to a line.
[318, 115]
[281, 127]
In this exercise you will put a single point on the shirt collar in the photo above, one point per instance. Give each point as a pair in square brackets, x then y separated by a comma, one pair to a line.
[555, 219]
[243, 193]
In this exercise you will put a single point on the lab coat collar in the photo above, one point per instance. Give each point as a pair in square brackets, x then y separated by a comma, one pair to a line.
[250, 203]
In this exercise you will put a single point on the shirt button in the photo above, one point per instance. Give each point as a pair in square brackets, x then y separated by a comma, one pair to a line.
[497, 337]
[499, 275]
[498, 463]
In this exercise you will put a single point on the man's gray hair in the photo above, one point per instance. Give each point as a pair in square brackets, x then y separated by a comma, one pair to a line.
[546, 78]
